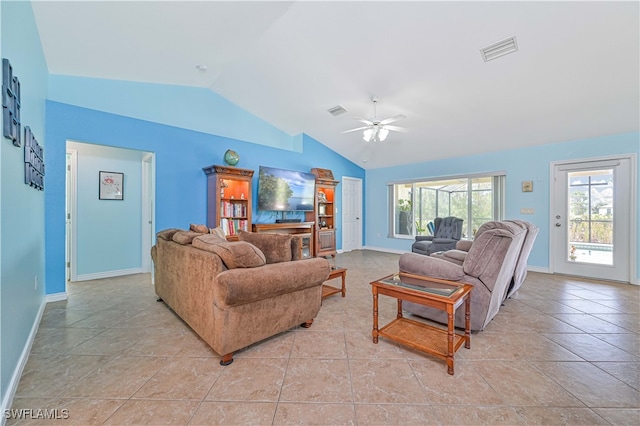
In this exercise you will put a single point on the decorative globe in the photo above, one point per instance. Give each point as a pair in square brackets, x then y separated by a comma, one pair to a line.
[231, 157]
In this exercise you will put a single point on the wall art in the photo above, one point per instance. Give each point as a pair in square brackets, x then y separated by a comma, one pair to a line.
[10, 103]
[111, 186]
[33, 161]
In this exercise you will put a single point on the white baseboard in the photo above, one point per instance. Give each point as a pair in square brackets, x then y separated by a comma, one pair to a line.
[108, 274]
[541, 269]
[7, 400]
[385, 250]
[56, 297]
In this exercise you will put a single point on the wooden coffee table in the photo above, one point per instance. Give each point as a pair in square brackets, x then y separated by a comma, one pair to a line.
[432, 292]
[328, 290]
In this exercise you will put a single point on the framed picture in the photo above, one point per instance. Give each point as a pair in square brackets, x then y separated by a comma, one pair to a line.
[527, 186]
[111, 186]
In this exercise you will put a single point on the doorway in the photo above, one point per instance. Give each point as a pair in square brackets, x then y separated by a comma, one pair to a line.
[592, 217]
[351, 213]
[134, 215]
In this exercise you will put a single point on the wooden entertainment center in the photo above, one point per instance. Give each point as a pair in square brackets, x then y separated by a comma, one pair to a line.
[229, 206]
[304, 230]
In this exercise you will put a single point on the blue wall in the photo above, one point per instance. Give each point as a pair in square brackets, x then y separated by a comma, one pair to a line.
[22, 258]
[532, 163]
[180, 156]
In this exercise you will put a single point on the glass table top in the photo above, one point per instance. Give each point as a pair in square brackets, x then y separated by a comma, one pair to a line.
[423, 285]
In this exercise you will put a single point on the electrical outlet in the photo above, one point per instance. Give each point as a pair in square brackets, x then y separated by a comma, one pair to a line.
[526, 210]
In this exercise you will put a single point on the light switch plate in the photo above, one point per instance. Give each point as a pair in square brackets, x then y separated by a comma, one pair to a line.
[526, 210]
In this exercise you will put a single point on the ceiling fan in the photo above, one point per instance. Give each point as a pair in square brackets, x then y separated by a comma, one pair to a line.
[377, 130]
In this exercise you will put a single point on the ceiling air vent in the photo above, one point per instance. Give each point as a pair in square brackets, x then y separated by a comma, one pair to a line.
[501, 48]
[337, 110]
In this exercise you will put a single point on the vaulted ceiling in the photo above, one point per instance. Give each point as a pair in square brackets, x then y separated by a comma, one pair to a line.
[575, 75]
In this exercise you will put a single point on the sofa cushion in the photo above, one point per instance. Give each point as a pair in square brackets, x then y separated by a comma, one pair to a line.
[167, 234]
[185, 237]
[276, 247]
[238, 254]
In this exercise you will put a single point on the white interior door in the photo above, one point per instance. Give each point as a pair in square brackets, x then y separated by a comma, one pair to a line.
[351, 214]
[591, 219]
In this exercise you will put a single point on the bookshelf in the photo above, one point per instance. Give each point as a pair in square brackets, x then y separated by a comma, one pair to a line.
[229, 199]
[324, 213]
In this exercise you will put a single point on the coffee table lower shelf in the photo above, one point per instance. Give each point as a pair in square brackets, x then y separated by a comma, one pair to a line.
[422, 337]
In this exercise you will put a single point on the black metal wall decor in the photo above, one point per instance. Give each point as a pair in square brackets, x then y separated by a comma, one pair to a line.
[33, 161]
[10, 103]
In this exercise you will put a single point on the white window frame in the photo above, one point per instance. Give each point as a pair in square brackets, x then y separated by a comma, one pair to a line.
[499, 201]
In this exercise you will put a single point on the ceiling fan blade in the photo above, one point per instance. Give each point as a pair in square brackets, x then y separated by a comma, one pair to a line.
[364, 120]
[392, 119]
[396, 129]
[356, 129]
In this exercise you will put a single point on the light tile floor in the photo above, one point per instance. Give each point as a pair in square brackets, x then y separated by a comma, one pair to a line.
[563, 350]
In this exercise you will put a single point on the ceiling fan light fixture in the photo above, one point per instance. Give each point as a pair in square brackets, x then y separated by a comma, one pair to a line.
[367, 135]
[382, 134]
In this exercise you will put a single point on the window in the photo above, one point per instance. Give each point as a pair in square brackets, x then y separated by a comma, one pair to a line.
[475, 199]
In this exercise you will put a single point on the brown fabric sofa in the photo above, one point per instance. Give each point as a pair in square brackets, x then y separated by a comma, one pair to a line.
[488, 266]
[234, 294]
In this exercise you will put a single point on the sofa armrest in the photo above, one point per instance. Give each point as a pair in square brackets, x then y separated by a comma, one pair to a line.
[464, 245]
[241, 286]
[430, 267]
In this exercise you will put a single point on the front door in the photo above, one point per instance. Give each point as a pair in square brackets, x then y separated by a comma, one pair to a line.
[591, 219]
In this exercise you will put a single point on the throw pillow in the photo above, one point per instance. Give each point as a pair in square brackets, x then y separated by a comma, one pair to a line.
[185, 237]
[276, 247]
[234, 255]
[202, 229]
[217, 231]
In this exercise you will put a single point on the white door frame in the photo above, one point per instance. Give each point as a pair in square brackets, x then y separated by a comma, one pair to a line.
[633, 214]
[358, 181]
[72, 213]
[148, 210]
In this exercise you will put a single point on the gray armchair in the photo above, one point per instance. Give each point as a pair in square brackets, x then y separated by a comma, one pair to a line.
[447, 233]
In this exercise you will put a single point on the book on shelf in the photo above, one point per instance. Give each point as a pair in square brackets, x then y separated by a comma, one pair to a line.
[229, 209]
[233, 226]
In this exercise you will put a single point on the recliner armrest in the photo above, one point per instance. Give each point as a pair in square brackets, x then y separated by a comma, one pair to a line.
[424, 237]
[430, 267]
[443, 240]
[464, 245]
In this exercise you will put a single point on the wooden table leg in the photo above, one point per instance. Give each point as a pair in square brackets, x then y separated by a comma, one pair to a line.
[375, 315]
[344, 284]
[399, 309]
[450, 332]
[467, 321]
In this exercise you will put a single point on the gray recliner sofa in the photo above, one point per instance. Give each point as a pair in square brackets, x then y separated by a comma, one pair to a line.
[489, 266]
[458, 255]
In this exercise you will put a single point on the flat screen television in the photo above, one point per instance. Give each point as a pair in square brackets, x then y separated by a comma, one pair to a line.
[285, 190]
